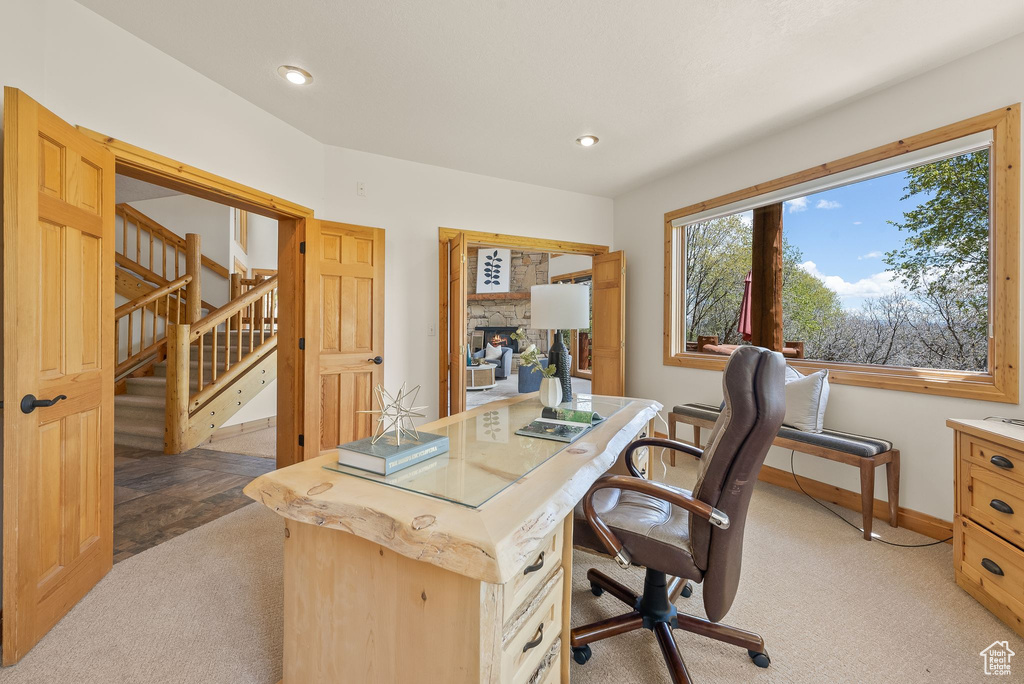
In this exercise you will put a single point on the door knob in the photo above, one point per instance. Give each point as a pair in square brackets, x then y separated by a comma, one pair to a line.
[29, 403]
[377, 360]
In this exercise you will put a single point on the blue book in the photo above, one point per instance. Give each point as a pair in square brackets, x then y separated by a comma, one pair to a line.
[385, 457]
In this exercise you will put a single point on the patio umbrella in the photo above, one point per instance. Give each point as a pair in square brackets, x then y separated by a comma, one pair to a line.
[745, 327]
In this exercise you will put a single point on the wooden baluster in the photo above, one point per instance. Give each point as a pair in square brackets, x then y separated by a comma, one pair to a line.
[163, 258]
[156, 310]
[227, 344]
[117, 339]
[194, 268]
[138, 243]
[150, 250]
[259, 317]
[213, 357]
[199, 372]
[130, 332]
[177, 262]
[251, 313]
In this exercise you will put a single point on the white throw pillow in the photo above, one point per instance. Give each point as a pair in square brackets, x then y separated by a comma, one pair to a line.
[492, 353]
[806, 399]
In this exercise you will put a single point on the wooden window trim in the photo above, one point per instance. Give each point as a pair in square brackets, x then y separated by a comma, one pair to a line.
[1000, 383]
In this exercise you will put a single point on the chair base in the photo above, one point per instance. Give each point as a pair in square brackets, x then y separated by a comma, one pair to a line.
[654, 610]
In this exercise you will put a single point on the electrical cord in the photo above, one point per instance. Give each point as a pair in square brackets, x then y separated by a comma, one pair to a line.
[792, 469]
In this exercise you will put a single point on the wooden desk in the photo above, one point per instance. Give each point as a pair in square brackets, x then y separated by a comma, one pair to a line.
[387, 585]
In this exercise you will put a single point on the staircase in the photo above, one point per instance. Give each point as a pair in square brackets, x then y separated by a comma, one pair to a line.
[180, 374]
[140, 412]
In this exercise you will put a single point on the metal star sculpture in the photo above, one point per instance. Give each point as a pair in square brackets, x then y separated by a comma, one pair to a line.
[395, 414]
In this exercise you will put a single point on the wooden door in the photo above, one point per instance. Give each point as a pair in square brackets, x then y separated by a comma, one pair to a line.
[58, 313]
[609, 327]
[348, 292]
[457, 325]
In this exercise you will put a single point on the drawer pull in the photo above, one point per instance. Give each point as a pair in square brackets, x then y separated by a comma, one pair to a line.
[1001, 506]
[991, 566]
[535, 642]
[1001, 462]
[536, 566]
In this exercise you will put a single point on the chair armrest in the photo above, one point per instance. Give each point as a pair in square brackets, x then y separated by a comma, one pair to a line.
[658, 490]
[661, 443]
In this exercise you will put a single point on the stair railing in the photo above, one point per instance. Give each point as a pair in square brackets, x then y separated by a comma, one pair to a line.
[163, 246]
[252, 317]
[143, 316]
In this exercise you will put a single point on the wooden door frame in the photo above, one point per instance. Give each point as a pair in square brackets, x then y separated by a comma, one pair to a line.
[482, 239]
[294, 324]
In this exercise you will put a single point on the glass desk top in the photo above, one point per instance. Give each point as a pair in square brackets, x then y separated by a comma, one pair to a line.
[485, 455]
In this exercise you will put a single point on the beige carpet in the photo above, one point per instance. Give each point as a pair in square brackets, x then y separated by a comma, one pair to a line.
[256, 443]
[206, 607]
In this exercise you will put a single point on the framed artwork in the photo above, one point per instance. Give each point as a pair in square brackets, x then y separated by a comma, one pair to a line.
[493, 269]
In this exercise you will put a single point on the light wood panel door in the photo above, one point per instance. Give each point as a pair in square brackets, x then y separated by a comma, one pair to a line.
[349, 300]
[58, 313]
[457, 302]
[609, 328]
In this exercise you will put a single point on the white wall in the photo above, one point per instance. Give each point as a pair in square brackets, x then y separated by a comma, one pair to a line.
[410, 201]
[915, 422]
[569, 263]
[262, 243]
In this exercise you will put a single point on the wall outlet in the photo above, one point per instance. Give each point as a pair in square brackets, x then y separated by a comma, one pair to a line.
[431, 329]
[361, 189]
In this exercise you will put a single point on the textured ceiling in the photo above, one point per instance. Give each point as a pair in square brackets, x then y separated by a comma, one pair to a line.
[504, 87]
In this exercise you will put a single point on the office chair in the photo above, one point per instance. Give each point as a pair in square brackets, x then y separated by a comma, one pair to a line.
[678, 535]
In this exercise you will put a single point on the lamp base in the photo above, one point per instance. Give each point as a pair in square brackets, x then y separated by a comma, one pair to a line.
[558, 356]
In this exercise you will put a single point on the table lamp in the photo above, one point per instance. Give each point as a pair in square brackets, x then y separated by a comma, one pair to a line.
[559, 307]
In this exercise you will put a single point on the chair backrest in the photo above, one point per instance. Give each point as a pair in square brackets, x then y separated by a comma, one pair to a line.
[754, 384]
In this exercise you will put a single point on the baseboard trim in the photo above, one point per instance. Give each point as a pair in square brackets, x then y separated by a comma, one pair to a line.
[915, 521]
[241, 428]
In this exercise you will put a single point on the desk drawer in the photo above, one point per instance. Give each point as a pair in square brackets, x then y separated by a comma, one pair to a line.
[993, 500]
[535, 571]
[526, 649]
[994, 565]
[999, 460]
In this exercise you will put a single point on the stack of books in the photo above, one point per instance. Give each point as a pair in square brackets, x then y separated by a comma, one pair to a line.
[561, 425]
[386, 457]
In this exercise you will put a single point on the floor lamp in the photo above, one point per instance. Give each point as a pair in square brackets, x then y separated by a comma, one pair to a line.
[558, 307]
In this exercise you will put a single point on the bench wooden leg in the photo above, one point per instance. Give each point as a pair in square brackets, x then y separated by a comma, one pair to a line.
[867, 494]
[892, 480]
[696, 436]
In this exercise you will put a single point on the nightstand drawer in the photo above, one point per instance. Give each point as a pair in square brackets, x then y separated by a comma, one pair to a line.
[524, 650]
[994, 565]
[534, 572]
[993, 501]
[999, 460]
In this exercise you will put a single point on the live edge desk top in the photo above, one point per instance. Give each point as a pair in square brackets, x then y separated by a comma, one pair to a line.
[488, 543]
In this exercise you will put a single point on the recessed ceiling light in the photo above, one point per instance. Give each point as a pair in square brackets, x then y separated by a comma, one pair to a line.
[587, 140]
[295, 75]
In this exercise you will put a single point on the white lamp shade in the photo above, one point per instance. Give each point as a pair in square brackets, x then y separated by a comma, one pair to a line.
[560, 307]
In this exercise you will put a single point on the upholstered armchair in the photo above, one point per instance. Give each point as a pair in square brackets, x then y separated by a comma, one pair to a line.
[504, 364]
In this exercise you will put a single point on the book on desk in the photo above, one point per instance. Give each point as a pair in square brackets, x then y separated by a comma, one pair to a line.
[386, 457]
[561, 425]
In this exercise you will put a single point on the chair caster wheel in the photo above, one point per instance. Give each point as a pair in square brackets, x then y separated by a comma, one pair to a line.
[687, 590]
[582, 655]
[596, 589]
[760, 659]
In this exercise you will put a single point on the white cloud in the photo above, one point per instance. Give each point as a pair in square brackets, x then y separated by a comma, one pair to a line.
[798, 204]
[857, 223]
[870, 255]
[827, 204]
[875, 285]
[747, 218]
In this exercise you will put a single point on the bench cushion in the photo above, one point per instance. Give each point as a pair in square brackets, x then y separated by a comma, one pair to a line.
[858, 445]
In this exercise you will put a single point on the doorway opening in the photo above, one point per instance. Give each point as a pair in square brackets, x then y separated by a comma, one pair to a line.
[480, 357]
[183, 262]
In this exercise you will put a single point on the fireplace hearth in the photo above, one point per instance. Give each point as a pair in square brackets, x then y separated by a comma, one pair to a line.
[500, 337]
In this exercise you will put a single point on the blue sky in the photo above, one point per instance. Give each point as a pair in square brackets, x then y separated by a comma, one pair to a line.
[843, 235]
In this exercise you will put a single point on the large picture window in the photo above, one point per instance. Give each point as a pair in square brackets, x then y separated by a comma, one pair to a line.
[896, 268]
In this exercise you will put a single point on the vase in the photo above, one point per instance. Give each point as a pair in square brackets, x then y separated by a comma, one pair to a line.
[550, 392]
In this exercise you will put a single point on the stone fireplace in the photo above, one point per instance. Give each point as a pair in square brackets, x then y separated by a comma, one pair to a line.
[500, 337]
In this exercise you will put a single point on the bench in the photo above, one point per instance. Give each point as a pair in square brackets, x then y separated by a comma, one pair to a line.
[864, 452]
